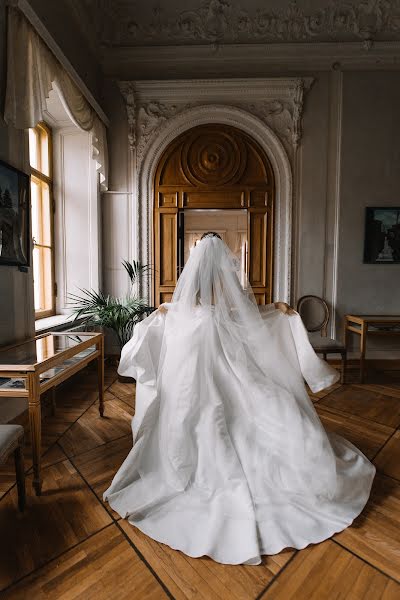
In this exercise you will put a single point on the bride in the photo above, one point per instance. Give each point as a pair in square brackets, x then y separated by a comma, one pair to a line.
[230, 459]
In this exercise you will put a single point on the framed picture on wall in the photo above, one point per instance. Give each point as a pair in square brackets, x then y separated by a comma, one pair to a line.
[14, 216]
[382, 235]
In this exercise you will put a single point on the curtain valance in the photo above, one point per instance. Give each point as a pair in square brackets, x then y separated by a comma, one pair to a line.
[32, 72]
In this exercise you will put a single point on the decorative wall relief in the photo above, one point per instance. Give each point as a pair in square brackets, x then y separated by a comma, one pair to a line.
[232, 22]
[277, 102]
[283, 116]
[151, 117]
[268, 110]
[128, 91]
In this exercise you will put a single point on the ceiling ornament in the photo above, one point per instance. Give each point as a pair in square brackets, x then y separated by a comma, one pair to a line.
[223, 22]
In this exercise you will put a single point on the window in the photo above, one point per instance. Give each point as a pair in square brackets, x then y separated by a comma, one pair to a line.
[40, 158]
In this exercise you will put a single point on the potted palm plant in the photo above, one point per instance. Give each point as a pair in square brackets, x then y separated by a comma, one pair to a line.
[117, 314]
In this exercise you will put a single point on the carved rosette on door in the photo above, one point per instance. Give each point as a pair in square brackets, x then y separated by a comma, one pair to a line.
[222, 172]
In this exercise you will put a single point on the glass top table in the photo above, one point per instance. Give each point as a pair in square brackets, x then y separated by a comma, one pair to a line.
[31, 354]
[31, 367]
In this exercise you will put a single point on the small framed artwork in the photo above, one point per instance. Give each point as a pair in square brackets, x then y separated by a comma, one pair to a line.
[14, 216]
[382, 235]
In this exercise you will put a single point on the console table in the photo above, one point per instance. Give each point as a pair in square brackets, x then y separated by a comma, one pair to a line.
[369, 325]
[30, 368]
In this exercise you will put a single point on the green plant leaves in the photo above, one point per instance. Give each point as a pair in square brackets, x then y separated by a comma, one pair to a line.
[119, 314]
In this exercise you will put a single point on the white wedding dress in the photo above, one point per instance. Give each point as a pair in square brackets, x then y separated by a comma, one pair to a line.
[230, 459]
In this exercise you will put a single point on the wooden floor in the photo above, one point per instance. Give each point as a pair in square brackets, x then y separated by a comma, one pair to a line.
[68, 544]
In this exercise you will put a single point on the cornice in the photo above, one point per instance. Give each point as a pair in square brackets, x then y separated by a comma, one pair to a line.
[213, 22]
[154, 62]
[212, 88]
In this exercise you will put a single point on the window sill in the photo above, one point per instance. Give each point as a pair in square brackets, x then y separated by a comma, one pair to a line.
[53, 322]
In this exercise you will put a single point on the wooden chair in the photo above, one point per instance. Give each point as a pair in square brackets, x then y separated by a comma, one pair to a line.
[12, 440]
[318, 329]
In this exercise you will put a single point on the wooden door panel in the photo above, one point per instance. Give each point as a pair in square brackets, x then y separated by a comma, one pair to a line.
[258, 248]
[214, 167]
[165, 247]
[166, 296]
[168, 245]
[214, 199]
[260, 298]
[259, 198]
[168, 199]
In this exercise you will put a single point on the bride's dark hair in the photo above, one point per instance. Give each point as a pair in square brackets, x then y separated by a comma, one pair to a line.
[210, 234]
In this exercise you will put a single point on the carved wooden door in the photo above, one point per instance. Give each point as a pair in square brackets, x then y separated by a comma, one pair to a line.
[213, 167]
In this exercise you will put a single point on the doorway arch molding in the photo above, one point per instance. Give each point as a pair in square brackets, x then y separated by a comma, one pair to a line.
[254, 127]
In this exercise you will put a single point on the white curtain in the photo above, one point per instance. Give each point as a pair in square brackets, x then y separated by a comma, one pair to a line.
[32, 72]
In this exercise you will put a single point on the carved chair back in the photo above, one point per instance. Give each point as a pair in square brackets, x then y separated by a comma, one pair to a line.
[315, 313]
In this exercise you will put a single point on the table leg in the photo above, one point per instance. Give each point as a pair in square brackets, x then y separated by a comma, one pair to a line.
[346, 332]
[53, 401]
[343, 369]
[363, 347]
[20, 473]
[35, 423]
[100, 373]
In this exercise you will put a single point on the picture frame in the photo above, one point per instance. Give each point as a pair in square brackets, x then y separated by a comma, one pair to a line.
[15, 235]
[382, 235]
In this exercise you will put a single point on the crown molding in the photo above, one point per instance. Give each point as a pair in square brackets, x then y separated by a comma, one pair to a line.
[118, 22]
[252, 59]
[243, 88]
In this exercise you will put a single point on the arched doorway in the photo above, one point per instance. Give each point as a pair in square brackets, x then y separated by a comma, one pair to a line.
[213, 175]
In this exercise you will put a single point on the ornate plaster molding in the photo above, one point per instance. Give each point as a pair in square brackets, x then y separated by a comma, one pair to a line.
[128, 91]
[278, 102]
[274, 149]
[151, 117]
[233, 22]
[283, 116]
[269, 110]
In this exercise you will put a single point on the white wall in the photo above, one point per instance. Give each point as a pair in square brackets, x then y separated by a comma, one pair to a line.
[311, 205]
[350, 160]
[16, 287]
[118, 218]
[77, 216]
[370, 176]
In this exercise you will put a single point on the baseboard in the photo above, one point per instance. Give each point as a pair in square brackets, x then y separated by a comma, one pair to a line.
[381, 364]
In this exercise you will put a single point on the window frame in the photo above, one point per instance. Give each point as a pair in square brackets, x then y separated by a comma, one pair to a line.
[37, 176]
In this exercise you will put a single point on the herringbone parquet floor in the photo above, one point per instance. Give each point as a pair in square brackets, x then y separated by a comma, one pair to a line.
[69, 545]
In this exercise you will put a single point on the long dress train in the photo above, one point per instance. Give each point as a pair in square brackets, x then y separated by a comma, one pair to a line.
[230, 459]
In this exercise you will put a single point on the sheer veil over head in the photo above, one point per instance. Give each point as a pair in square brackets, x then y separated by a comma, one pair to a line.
[211, 280]
[223, 317]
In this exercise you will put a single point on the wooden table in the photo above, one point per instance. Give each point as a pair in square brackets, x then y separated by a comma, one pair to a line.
[369, 325]
[32, 367]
